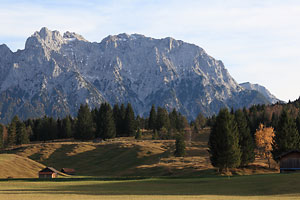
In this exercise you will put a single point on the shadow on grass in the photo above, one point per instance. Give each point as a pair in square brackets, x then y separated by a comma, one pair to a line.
[254, 185]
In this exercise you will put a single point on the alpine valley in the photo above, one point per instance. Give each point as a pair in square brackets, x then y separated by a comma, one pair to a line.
[56, 73]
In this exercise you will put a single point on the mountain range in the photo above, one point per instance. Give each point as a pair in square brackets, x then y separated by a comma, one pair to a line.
[55, 73]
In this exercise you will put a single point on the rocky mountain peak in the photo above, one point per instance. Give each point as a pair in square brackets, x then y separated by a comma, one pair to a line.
[71, 36]
[4, 50]
[54, 74]
[51, 40]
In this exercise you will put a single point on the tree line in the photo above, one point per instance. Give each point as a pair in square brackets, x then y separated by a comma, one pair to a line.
[104, 123]
[231, 143]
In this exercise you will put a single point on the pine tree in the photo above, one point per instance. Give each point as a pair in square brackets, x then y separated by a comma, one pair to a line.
[181, 122]
[84, 125]
[106, 123]
[22, 136]
[119, 117]
[246, 140]
[162, 119]
[180, 146]
[286, 136]
[122, 122]
[12, 129]
[152, 118]
[129, 121]
[224, 142]
[60, 132]
[173, 118]
[67, 127]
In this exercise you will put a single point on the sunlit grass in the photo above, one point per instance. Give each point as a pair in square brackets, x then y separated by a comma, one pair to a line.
[272, 186]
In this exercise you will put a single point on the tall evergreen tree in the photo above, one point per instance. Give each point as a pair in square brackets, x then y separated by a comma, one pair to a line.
[12, 131]
[223, 143]
[173, 117]
[107, 128]
[152, 118]
[119, 120]
[122, 122]
[286, 136]
[67, 127]
[179, 146]
[84, 126]
[129, 121]
[22, 136]
[60, 132]
[162, 119]
[246, 140]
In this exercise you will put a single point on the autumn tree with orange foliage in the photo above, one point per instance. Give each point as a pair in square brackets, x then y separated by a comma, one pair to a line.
[264, 138]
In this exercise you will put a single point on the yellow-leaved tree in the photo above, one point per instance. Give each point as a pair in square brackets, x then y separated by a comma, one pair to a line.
[263, 139]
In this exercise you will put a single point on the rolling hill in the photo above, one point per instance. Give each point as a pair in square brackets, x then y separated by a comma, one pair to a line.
[16, 166]
[128, 157]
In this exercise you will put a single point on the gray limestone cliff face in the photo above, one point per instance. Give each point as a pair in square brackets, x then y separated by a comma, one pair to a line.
[54, 74]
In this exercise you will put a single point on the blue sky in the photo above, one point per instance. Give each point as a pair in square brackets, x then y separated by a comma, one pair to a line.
[258, 40]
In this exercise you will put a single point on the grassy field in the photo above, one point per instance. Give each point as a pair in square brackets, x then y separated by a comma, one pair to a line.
[120, 157]
[127, 157]
[269, 186]
[15, 166]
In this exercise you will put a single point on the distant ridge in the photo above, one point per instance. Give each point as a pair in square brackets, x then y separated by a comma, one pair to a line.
[262, 90]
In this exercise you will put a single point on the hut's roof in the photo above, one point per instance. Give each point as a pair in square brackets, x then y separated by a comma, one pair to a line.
[68, 170]
[287, 153]
[48, 170]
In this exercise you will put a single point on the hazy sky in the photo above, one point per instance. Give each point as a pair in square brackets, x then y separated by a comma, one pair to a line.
[258, 40]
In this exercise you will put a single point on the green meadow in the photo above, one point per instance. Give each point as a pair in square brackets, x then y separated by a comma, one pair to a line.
[267, 186]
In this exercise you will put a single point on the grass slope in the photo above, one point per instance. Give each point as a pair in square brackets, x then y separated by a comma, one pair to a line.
[120, 157]
[15, 166]
[271, 186]
[127, 157]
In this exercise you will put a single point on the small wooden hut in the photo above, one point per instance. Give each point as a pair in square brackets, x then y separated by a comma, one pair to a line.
[68, 171]
[48, 172]
[290, 161]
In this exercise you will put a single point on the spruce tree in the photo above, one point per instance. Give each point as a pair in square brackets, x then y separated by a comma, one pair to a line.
[84, 125]
[152, 118]
[119, 117]
[286, 136]
[12, 129]
[122, 122]
[106, 123]
[129, 121]
[67, 127]
[246, 140]
[173, 118]
[180, 146]
[223, 143]
[22, 136]
[60, 132]
[162, 119]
